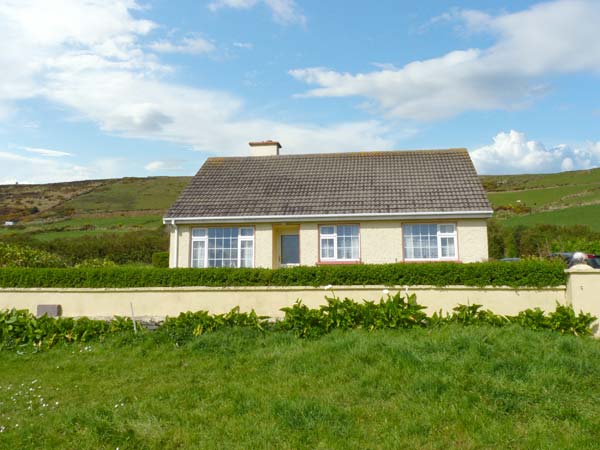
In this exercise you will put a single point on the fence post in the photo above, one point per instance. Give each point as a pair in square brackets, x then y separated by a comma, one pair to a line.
[583, 291]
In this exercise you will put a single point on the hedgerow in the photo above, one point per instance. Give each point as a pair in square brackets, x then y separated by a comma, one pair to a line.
[527, 273]
[19, 256]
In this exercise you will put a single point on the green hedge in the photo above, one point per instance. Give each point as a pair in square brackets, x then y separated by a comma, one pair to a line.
[526, 273]
[160, 259]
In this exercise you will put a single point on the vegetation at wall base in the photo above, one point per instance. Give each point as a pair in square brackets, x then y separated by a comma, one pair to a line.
[526, 273]
[451, 387]
[20, 327]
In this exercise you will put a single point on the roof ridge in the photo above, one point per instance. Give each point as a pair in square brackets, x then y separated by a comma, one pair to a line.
[367, 153]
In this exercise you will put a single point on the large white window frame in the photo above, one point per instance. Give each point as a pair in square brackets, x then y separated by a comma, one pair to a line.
[205, 239]
[445, 237]
[329, 242]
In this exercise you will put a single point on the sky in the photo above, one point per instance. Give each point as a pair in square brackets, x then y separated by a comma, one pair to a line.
[95, 89]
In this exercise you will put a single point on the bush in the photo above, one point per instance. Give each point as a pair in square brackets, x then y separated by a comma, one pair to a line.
[160, 259]
[393, 312]
[527, 273]
[18, 256]
[19, 327]
[121, 248]
[399, 312]
[96, 262]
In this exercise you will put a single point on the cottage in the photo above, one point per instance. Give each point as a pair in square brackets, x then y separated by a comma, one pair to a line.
[271, 210]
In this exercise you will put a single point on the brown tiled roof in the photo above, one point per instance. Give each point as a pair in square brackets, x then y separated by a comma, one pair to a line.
[417, 181]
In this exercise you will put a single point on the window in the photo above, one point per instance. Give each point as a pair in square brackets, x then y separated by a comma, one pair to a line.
[223, 247]
[429, 241]
[339, 243]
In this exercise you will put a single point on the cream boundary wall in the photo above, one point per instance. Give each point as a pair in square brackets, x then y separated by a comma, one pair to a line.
[380, 242]
[581, 292]
[156, 303]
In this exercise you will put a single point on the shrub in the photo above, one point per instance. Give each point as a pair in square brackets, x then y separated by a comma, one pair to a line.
[190, 324]
[530, 273]
[96, 262]
[392, 312]
[18, 256]
[121, 248]
[19, 327]
[160, 259]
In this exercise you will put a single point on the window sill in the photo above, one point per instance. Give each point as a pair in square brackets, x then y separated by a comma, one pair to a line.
[338, 262]
[410, 261]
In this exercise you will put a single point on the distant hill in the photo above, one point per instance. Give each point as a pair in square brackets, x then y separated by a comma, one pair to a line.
[565, 198]
[88, 207]
[97, 206]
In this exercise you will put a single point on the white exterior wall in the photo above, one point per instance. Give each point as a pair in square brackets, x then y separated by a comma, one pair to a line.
[472, 240]
[263, 245]
[380, 242]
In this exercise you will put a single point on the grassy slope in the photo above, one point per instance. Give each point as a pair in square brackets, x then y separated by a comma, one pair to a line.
[565, 198]
[93, 208]
[453, 387]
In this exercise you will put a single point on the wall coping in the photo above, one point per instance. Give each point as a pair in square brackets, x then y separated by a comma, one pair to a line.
[286, 288]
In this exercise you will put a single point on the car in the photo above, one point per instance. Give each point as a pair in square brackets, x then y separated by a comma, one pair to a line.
[591, 259]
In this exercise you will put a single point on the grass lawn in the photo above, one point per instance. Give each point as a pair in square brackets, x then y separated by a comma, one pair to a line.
[578, 215]
[452, 387]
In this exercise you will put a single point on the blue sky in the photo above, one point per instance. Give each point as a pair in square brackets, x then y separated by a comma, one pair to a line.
[110, 88]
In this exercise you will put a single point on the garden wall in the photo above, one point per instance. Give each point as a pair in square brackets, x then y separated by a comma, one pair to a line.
[159, 302]
[582, 291]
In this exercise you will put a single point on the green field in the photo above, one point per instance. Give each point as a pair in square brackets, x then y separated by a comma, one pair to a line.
[580, 215]
[87, 226]
[452, 387]
[538, 198]
[130, 194]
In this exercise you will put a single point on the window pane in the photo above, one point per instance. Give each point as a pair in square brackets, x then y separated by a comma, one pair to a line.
[198, 253]
[448, 249]
[247, 253]
[246, 231]
[223, 247]
[327, 230]
[448, 228]
[327, 248]
[421, 241]
[199, 232]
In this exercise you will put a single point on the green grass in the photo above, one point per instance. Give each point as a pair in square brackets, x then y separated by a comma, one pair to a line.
[87, 226]
[130, 194]
[534, 181]
[453, 387]
[538, 197]
[579, 215]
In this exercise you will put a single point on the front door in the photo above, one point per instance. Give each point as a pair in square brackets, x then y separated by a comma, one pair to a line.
[290, 249]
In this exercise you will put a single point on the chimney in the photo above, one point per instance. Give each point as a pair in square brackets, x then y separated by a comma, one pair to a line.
[264, 148]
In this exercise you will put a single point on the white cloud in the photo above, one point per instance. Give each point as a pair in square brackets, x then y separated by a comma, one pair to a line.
[25, 169]
[246, 45]
[190, 46]
[47, 152]
[549, 38]
[101, 72]
[169, 165]
[512, 153]
[284, 11]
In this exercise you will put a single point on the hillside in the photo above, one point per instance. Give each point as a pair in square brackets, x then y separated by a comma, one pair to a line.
[116, 205]
[565, 198]
[88, 207]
